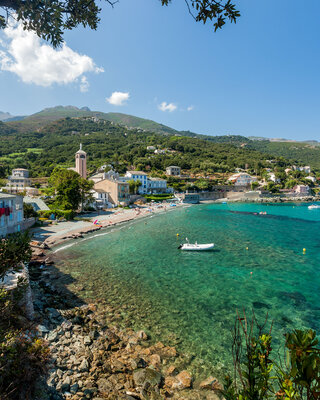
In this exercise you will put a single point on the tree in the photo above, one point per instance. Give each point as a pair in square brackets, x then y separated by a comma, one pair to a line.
[132, 186]
[71, 189]
[254, 185]
[28, 211]
[14, 250]
[49, 18]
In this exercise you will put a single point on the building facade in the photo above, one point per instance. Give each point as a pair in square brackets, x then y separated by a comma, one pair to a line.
[81, 162]
[101, 198]
[139, 176]
[118, 191]
[156, 185]
[11, 213]
[173, 170]
[242, 179]
[19, 180]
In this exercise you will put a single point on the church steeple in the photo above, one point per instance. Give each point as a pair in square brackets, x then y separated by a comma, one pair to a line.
[81, 162]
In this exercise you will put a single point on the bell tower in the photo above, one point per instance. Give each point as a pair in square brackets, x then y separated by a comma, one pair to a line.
[81, 162]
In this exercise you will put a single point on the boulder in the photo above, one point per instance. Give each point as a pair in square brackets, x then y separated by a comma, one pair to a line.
[182, 381]
[211, 383]
[148, 376]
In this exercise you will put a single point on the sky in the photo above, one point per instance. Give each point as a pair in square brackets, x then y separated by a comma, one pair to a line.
[259, 77]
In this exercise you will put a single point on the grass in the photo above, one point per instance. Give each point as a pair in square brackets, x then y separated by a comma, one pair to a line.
[158, 197]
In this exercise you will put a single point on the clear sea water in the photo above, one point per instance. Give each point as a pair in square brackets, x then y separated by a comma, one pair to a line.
[190, 299]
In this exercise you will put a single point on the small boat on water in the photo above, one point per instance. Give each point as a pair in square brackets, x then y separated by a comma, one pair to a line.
[313, 206]
[195, 246]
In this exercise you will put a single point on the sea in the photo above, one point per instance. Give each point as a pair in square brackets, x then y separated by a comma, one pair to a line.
[266, 265]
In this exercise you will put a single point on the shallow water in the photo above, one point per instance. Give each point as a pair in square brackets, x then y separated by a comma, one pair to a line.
[191, 298]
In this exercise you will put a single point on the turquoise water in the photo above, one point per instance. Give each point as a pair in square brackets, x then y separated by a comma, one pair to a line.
[190, 298]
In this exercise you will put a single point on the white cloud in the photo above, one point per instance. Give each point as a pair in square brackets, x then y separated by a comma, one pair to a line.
[190, 108]
[118, 98]
[34, 61]
[167, 106]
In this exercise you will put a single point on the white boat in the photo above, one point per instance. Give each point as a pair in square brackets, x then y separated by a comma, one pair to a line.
[196, 247]
[313, 206]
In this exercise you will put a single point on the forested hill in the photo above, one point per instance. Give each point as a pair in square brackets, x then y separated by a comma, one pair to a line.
[107, 143]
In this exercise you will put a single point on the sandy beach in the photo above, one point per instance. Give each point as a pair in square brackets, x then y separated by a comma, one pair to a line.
[60, 232]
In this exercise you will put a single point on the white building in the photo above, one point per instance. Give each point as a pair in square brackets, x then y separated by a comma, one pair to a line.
[302, 190]
[19, 179]
[311, 178]
[142, 177]
[151, 148]
[306, 169]
[157, 185]
[159, 151]
[100, 176]
[272, 177]
[173, 170]
[101, 198]
[242, 179]
[11, 213]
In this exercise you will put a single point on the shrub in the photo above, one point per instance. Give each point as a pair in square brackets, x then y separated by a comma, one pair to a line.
[67, 214]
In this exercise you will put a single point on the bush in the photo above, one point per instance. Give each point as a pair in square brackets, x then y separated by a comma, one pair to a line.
[23, 358]
[67, 214]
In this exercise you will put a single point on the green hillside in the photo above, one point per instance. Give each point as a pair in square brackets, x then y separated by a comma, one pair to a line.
[298, 152]
[107, 143]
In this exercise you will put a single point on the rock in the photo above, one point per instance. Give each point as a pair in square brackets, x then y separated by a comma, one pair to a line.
[103, 385]
[149, 376]
[52, 337]
[65, 385]
[66, 325]
[42, 329]
[84, 366]
[155, 361]
[87, 341]
[172, 370]
[53, 313]
[182, 381]
[74, 388]
[208, 383]
[142, 335]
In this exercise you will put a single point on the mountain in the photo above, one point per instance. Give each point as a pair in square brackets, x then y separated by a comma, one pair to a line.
[4, 115]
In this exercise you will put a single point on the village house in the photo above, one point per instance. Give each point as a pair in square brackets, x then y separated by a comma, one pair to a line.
[11, 213]
[101, 198]
[242, 179]
[157, 185]
[118, 191]
[139, 176]
[173, 170]
[311, 178]
[306, 169]
[272, 177]
[19, 180]
[302, 190]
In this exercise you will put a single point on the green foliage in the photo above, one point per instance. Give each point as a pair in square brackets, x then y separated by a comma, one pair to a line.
[48, 19]
[158, 197]
[66, 214]
[14, 250]
[254, 185]
[28, 211]
[23, 358]
[71, 189]
[258, 377]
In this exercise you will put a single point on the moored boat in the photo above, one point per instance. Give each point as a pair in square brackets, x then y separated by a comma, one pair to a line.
[195, 246]
[313, 206]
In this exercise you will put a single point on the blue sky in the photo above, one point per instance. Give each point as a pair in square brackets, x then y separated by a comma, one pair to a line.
[259, 77]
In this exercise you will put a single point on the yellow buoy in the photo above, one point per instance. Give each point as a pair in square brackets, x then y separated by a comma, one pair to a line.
[247, 248]
[177, 234]
[304, 250]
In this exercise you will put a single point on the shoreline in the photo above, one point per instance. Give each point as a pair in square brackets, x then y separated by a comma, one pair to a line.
[65, 231]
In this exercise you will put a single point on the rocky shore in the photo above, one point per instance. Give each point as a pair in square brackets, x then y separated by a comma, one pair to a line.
[94, 357]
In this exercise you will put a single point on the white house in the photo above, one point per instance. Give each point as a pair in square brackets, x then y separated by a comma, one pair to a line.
[18, 180]
[151, 148]
[242, 179]
[101, 198]
[159, 151]
[306, 169]
[157, 185]
[302, 190]
[272, 177]
[311, 178]
[142, 177]
[173, 170]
